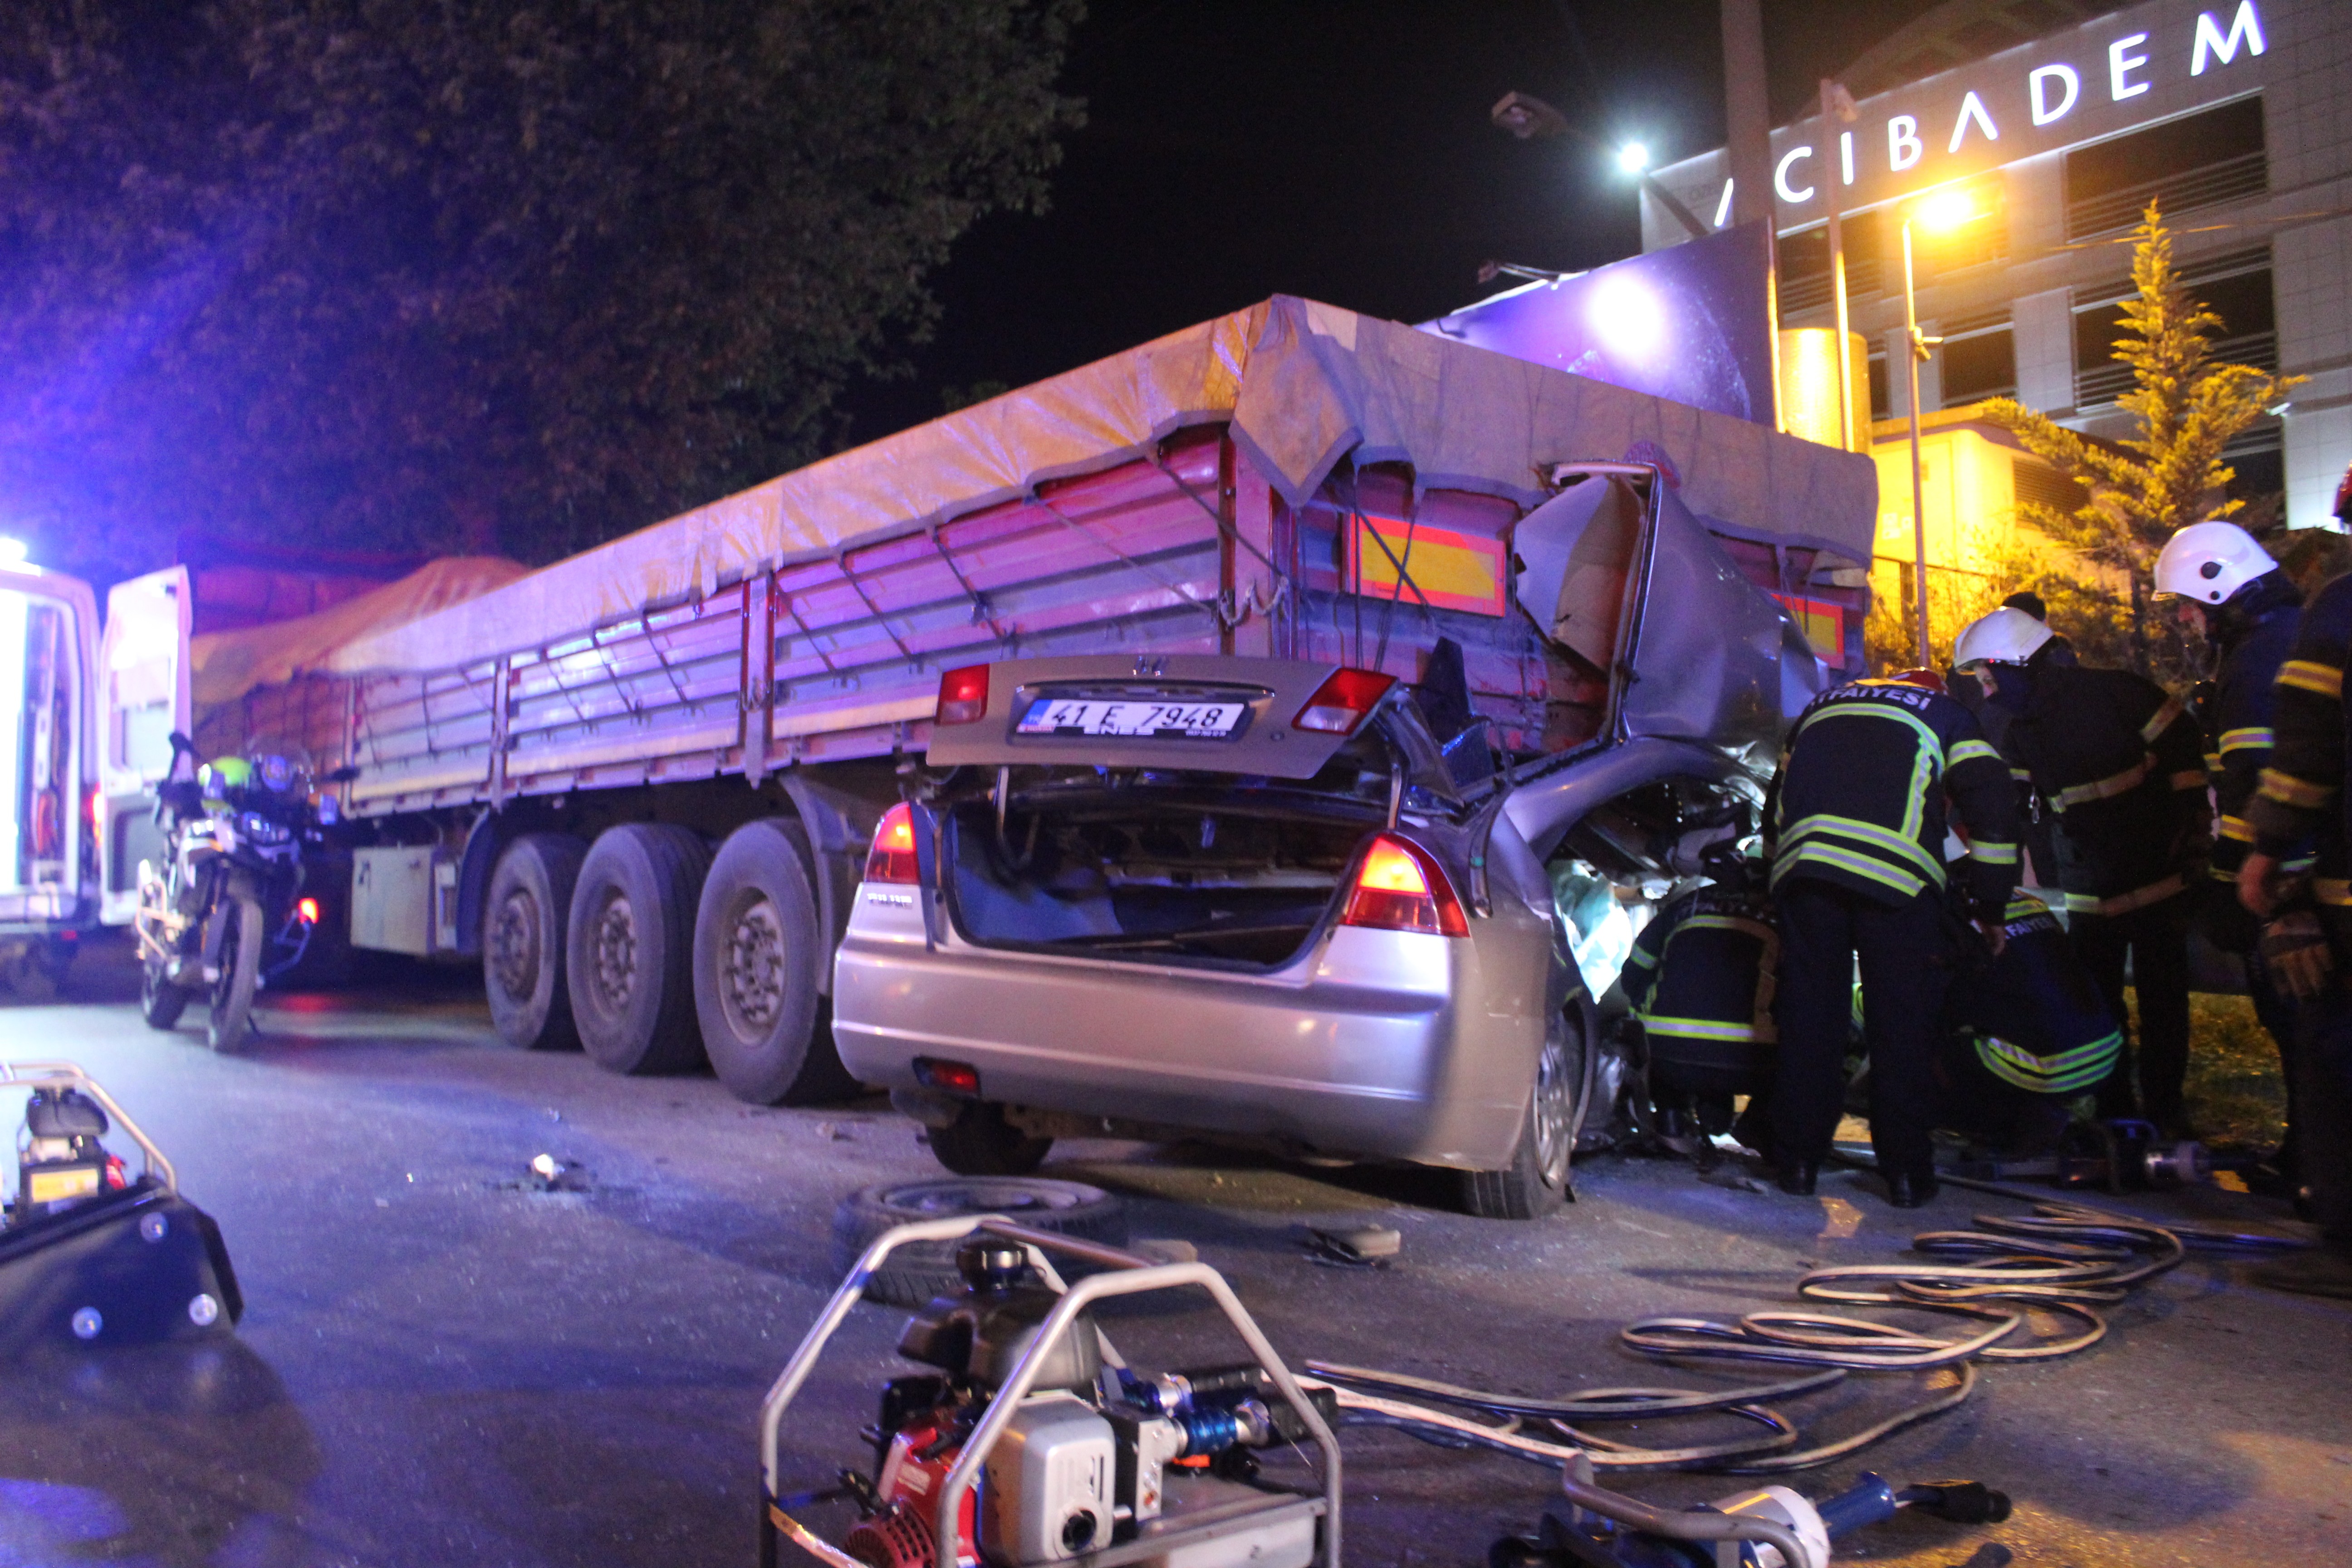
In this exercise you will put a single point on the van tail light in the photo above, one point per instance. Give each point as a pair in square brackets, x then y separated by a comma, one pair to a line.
[892, 858]
[1340, 703]
[1399, 887]
[963, 696]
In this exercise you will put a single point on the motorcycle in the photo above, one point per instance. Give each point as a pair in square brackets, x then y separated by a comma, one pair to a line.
[230, 890]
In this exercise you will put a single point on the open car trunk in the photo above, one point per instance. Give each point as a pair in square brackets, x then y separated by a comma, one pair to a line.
[1204, 874]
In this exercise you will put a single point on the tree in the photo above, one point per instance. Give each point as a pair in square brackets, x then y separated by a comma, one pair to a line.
[2169, 473]
[479, 273]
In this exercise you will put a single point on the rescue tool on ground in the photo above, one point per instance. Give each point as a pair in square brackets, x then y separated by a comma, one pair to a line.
[1027, 1438]
[89, 1252]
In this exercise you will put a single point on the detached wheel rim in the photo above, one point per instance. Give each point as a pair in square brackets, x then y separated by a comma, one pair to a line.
[751, 968]
[1555, 1110]
[514, 945]
[958, 1196]
[615, 968]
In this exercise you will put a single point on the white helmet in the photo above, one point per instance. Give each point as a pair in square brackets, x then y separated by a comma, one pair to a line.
[2208, 562]
[2007, 636]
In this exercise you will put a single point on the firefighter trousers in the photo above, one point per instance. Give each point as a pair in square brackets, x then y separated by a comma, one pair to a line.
[1905, 951]
[2157, 939]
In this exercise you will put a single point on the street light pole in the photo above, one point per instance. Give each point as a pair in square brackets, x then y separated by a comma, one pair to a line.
[1919, 346]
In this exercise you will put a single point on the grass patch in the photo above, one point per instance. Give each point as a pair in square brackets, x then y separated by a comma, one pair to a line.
[2237, 1096]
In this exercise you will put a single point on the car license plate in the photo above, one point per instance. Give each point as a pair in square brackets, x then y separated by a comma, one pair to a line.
[1098, 716]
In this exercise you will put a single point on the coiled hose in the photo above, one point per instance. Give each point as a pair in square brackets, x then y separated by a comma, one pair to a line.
[2063, 1259]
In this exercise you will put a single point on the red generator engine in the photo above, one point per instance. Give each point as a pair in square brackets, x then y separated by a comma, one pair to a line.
[1031, 1442]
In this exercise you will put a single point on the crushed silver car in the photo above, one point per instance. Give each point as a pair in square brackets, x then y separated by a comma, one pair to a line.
[1264, 899]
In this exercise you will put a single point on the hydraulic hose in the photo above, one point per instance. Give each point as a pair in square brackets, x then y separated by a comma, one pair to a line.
[2064, 1260]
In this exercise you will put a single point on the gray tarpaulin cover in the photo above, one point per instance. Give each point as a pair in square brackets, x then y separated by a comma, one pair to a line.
[1304, 385]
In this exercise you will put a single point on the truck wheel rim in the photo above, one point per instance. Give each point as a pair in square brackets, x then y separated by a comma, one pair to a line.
[753, 982]
[514, 945]
[1555, 1110]
[616, 953]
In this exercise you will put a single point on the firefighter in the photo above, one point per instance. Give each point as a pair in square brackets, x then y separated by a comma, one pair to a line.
[2028, 1030]
[2229, 589]
[2123, 766]
[2299, 809]
[1700, 981]
[1856, 833]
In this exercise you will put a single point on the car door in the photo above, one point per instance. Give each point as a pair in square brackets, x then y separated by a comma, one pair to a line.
[144, 696]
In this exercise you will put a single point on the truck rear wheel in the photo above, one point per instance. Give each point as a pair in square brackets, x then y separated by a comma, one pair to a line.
[629, 951]
[759, 951]
[524, 926]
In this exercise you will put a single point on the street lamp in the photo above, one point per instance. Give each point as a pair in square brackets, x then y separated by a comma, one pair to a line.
[1525, 116]
[1940, 213]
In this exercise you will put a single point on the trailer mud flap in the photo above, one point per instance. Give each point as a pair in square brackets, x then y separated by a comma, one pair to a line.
[136, 1267]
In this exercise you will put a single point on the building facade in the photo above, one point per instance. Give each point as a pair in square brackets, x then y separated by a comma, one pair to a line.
[2063, 121]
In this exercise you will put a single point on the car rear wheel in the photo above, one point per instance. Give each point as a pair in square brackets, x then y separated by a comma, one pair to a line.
[1536, 1182]
[523, 930]
[981, 1142]
[629, 951]
[759, 953]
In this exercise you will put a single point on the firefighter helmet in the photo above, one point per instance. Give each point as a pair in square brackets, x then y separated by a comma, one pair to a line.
[2007, 636]
[1926, 679]
[2208, 563]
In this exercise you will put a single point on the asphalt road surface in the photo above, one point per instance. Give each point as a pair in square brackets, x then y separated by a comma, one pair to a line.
[439, 1365]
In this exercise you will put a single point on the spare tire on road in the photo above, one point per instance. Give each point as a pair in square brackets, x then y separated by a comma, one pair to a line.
[920, 1270]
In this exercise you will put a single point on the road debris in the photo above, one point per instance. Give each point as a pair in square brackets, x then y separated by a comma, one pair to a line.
[1352, 1247]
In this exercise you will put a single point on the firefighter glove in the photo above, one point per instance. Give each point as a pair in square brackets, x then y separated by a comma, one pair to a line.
[2295, 951]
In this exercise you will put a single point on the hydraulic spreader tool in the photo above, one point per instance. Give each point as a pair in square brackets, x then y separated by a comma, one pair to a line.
[91, 1253]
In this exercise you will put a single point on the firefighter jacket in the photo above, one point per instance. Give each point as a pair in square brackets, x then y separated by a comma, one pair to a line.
[1700, 980]
[2256, 635]
[1860, 797]
[2035, 1014]
[2123, 766]
[2298, 807]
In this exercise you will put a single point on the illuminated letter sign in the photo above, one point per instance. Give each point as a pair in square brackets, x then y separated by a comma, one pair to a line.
[2037, 87]
[1972, 108]
[1903, 144]
[1781, 176]
[2245, 28]
[1845, 157]
[2121, 63]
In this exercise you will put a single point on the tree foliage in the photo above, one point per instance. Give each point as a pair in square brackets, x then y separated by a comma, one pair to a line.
[474, 273]
[2186, 407]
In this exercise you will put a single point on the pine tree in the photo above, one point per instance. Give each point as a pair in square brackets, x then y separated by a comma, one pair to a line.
[2167, 475]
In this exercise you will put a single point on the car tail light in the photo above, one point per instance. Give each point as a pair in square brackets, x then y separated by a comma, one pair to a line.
[1340, 703]
[892, 858]
[1399, 887]
[953, 1078]
[963, 695]
[307, 910]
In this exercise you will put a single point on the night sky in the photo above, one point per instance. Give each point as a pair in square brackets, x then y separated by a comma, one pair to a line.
[1240, 148]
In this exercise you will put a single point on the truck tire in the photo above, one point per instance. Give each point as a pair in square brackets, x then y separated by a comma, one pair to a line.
[525, 927]
[913, 1274]
[240, 970]
[629, 951]
[758, 951]
[1536, 1182]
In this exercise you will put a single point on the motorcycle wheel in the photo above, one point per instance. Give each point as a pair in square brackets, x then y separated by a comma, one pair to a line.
[160, 1002]
[240, 972]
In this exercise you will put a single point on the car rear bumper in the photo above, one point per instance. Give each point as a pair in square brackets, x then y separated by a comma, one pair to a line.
[1359, 1048]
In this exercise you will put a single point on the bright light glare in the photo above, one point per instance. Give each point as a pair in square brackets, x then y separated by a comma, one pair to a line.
[13, 552]
[1945, 209]
[1629, 321]
[1633, 157]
